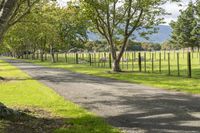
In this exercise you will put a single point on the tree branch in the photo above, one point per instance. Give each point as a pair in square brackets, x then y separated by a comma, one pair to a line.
[27, 11]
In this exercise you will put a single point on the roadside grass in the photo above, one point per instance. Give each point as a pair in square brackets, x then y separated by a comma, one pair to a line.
[183, 84]
[20, 92]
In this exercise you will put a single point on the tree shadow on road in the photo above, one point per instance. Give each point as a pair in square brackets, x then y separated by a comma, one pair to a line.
[164, 113]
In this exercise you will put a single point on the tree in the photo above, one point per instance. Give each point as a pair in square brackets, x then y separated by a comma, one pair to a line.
[196, 31]
[73, 27]
[167, 45]
[38, 31]
[12, 11]
[118, 19]
[183, 34]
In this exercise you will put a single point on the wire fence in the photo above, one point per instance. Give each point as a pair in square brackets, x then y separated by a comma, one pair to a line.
[173, 63]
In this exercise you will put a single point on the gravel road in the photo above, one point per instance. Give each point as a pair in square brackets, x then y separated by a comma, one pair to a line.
[133, 108]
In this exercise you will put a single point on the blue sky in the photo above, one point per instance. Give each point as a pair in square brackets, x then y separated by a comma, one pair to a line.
[172, 8]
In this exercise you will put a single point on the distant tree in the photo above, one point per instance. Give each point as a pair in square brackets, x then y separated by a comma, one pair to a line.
[38, 31]
[146, 46]
[91, 46]
[183, 34]
[167, 45]
[134, 46]
[155, 46]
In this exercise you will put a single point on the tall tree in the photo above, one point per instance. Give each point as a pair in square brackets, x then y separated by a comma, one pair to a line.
[183, 34]
[196, 31]
[118, 19]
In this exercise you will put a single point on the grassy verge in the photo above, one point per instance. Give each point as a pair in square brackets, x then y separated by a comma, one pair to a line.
[44, 109]
[151, 79]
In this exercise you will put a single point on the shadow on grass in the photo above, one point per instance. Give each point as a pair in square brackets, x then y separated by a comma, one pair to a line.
[33, 120]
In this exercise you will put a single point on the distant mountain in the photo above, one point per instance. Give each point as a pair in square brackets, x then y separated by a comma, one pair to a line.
[162, 35]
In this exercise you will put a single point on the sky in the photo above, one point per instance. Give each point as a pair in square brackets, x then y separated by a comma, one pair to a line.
[172, 8]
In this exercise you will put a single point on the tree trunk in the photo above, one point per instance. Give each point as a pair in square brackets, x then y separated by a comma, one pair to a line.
[52, 55]
[6, 10]
[116, 63]
[116, 66]
[42, 56]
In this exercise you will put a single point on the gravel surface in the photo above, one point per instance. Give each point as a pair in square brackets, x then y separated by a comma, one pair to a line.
[131, 107]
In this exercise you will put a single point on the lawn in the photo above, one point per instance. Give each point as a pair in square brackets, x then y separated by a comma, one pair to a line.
[43, 110]
[155, 79]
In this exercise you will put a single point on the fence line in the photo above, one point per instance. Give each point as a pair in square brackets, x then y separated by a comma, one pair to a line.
[163, 62]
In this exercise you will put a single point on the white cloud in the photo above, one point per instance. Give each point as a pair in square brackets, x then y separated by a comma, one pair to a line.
[174, 9]
[63, 2]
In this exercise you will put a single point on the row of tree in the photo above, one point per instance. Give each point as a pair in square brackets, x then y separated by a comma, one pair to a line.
[50, 27]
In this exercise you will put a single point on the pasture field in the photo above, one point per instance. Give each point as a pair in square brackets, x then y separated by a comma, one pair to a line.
[173, 63]
[91, 63]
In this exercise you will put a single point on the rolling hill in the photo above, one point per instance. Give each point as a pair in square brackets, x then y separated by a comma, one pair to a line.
[162, 35]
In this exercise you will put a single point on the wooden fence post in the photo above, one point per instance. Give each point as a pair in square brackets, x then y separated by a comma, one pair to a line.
[95, 63]
[90, 59]
[127, 60]
[132, 61]
[99, 56]
[56, 57]
[66, 57]
[178, 65]
[110, 60]
[140, 62]
[76, 58]
[152, 61]
[37, 55]
[189, 65]
[160, 61]
[104, 63]
[145, 62]
[165, 55]
[169, 71]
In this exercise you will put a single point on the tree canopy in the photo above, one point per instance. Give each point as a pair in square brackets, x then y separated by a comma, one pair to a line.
[186, 28]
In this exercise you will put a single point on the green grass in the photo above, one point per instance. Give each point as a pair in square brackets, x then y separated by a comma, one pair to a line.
[173, 82]
[20, 90]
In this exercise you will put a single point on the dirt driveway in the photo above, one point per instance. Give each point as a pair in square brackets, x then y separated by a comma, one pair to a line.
[131, 107]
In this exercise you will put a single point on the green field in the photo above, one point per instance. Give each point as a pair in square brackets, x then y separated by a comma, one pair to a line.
[45, 111]
[155, 62]
[131, 74]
